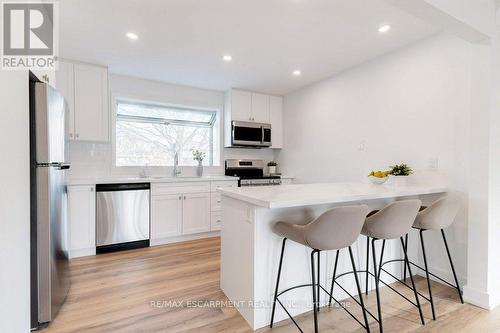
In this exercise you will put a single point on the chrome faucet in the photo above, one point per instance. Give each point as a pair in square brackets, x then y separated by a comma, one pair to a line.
[177, 170]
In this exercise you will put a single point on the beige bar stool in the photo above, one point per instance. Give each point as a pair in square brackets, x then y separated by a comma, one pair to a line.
[437, 216]
[392, 222]
[335, 229]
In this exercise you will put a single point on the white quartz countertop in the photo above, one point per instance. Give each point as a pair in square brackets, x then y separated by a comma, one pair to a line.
[154, 179]
[323, 193]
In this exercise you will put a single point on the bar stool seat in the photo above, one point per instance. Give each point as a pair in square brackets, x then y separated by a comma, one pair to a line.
[335, 229]
[324, 236]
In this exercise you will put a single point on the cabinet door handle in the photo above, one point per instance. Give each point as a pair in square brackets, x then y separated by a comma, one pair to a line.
[76, 135]
[71, 135]
[180, 197]
[184, 197]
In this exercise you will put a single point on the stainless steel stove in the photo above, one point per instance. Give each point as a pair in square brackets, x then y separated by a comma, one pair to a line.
[251, 173]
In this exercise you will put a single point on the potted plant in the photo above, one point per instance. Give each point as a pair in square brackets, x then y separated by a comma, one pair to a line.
[272, 167]
[199, 156]
[400, 173]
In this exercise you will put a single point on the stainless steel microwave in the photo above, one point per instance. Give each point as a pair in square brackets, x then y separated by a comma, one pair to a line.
[250, 134]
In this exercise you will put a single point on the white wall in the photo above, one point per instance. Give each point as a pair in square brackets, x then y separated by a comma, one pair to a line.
[14, 203]
[95, 159]
[410, 106]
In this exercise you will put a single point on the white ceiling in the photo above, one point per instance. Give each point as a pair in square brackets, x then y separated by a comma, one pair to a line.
[182, 41]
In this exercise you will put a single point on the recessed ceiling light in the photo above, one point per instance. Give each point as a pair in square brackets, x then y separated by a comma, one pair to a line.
[132, 36]
[227, 58]
[296, 72]
[384, 28]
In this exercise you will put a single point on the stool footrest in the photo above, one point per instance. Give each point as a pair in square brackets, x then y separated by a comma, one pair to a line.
[322, 288]
[351, 296]
[404, 283]
[422, 269]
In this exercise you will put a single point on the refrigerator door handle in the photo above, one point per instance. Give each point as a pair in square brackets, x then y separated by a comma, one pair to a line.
[63, 166]
[58, 165]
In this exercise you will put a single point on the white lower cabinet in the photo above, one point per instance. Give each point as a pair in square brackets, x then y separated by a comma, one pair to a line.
[179, 214]
[182, 211]
[215, 221]
[166, 216]
[81, 231]
[195, 213]
[179, 211]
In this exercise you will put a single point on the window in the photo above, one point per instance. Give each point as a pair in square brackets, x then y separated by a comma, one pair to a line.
[148, 134]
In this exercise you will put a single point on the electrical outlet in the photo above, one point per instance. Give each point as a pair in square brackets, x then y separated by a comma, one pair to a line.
[362, 145]
[433, 163]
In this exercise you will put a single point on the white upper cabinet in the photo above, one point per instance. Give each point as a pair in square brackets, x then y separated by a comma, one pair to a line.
[85, 88]
[254, 107]
[241, 105]
[91, 103]
[260, 108]
[276, 119]
[65, 83]
[247, 106]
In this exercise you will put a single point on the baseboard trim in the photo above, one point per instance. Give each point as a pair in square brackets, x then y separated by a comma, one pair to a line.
[184, 238]
[477, 298]
[81, 253]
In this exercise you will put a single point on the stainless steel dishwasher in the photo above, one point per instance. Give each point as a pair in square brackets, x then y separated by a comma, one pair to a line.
[122, 216]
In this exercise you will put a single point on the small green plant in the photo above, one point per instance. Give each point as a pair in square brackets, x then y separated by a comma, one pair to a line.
[272, 163]
[400, 170]
[198, 155]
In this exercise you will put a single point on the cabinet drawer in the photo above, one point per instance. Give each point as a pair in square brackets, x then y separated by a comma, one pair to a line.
[215, 202]
[175, 188]
[215, 221]
[215, 185]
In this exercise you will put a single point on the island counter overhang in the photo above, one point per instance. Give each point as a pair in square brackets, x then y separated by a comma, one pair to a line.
[250, 250]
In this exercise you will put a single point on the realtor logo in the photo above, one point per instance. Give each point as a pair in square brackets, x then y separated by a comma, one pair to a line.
[29, 35]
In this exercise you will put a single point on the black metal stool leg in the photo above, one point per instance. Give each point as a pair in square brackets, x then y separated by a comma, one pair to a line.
[277, 282]
[367, 262]
[404, 266]
[333, 279]
[407, 262]
[313, 280]
[452, 267]
[381, 259]
[367, 326]
[427, 273]
[318, 295]
[379, 310]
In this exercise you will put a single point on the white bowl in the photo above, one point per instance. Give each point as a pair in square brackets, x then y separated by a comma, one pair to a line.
[377, 180]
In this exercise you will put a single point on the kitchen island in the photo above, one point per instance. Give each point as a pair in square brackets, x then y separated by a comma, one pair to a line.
[250, 250]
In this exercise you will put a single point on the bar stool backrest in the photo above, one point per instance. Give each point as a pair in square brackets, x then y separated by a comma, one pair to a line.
[393, 221]
[336, 228]
[440, 214]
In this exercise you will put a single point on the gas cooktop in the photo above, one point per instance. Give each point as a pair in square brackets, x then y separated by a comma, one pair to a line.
[251, 173]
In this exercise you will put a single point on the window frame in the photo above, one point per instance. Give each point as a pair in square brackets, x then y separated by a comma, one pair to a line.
[216, 137]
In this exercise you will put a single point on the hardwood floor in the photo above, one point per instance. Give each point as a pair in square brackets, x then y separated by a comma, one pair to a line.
[130, 292]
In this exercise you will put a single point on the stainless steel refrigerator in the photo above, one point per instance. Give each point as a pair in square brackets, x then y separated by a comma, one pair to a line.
[49, 218]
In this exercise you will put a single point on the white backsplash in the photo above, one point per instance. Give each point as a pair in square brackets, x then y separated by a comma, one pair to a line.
[94, 160]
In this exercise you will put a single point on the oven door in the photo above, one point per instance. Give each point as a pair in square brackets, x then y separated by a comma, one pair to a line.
[250, 134]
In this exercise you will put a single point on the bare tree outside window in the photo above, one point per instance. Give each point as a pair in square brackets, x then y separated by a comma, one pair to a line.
[152, 134]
